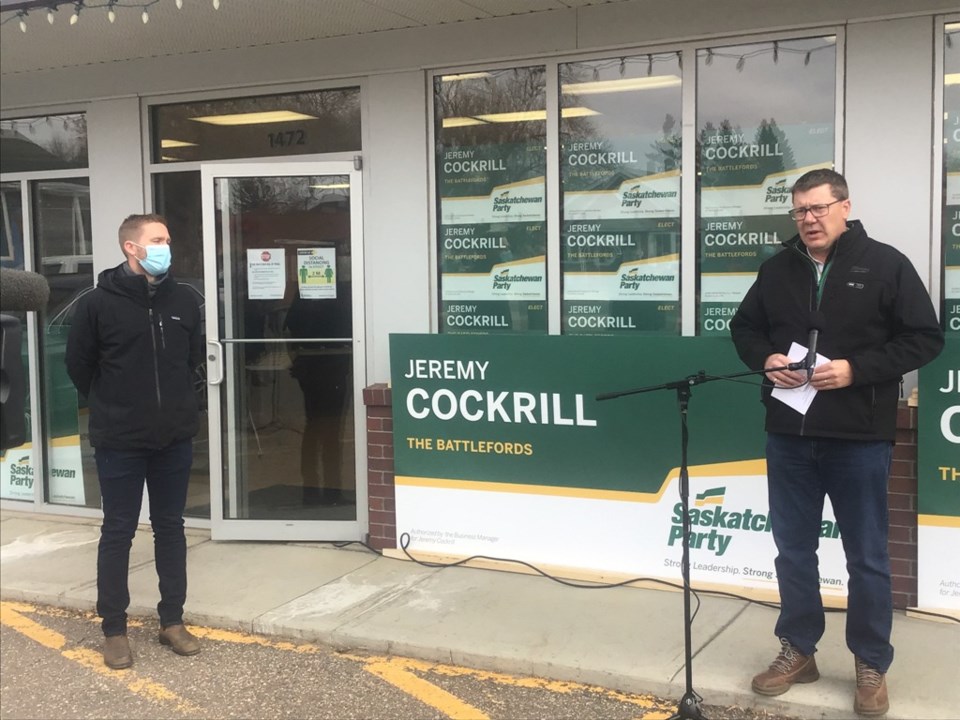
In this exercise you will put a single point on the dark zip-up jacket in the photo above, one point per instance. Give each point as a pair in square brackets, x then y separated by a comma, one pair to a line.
[876, 314]
[133, 356]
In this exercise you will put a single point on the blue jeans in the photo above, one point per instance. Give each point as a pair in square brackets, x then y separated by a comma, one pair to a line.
[122, 474]
[800, 471]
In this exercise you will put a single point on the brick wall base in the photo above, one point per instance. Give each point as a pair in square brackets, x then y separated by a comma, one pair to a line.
[902, 489]
[380, 495]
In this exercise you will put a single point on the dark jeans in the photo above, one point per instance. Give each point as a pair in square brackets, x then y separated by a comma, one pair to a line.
[800, 471]
[122, 474]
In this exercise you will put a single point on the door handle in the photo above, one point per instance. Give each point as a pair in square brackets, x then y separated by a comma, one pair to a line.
[215, 360]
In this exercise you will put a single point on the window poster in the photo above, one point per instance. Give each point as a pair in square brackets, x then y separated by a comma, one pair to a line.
[620, 168]
[266, 274]
[491, 230]
[766, 115]
[317, 273]
[951, 196]
[492, 238]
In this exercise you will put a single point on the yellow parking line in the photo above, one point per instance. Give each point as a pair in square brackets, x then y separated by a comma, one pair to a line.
[11, 616]
[648, 702]
[439, 699]
[403, 671]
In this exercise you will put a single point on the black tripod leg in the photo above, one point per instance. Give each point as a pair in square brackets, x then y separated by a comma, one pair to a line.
[689, 708]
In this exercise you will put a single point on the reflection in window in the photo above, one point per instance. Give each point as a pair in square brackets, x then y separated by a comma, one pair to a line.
[50, 142]
[951, 180]
[177, 198]
[16, 471]
[620, 169]
[11, 228]
[490, 168]
[61, 214]
[283, 248]
[765, 116]
[268, 125]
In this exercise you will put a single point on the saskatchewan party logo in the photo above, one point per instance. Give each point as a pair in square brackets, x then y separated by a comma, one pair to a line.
[777, 194]
[632, 197]
[506, 278]
[504, 202]
[713, 496]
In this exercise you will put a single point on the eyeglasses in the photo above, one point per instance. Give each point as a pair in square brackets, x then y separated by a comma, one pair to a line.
[817, 211]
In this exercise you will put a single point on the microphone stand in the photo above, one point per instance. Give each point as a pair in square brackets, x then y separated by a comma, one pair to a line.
[689, 708]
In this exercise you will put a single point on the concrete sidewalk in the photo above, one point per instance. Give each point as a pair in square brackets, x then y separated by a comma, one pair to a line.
[625, 638]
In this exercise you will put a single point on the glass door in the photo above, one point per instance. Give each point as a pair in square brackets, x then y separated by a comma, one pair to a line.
[285, 358]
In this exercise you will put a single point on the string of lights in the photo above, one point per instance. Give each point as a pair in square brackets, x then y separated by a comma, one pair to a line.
[52, 8]
[775, 49]
[76, 121]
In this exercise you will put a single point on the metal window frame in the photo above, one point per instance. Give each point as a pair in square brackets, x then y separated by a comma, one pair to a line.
[688, 236]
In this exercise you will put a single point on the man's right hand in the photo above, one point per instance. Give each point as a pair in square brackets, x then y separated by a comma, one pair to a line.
[784, 378]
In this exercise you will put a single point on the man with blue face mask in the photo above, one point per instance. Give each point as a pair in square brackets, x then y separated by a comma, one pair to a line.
[134, 345]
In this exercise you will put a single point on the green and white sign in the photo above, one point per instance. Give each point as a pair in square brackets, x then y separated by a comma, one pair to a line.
[492, 238]
[754, 140]
[621, 237]
[64, 455]
[744, 199]
[66, 472]
[951, 200]
[501, 448]
[938, 483]
[317, 273]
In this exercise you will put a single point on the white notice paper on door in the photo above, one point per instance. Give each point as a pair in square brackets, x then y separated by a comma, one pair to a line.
[266, 274]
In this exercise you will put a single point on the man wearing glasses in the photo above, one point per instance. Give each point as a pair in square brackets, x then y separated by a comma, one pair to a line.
[874, 322]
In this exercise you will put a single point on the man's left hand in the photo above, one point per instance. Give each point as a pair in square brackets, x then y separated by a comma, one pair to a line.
[833, 375]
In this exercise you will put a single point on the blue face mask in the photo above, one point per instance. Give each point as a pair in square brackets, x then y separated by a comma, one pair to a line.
[157, 261]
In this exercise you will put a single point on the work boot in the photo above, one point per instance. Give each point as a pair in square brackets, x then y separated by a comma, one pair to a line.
[791, 666]
[179, 639]
[116, 652]
[871, 699]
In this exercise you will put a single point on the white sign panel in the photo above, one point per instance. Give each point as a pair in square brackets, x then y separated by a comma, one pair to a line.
[266, 274]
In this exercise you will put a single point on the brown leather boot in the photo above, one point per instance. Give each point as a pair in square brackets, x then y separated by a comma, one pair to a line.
[181, 640]
[116, 652]
[871, 699]
[790, 667]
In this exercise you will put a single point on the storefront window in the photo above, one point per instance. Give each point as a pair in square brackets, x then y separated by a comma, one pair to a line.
[11, 229]
[765, 115]
[50, 142]
[951, 173]
[620, 173]
[61, 232]
[177, 198]
[16, 474]
[324, 121]
[490, 170]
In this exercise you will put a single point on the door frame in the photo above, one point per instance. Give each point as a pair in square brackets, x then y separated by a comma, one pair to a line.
[222, 528]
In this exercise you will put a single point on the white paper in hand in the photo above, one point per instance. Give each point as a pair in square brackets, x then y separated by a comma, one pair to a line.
[799, 398]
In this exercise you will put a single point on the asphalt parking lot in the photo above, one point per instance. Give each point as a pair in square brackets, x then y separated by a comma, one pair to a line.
[50, 667]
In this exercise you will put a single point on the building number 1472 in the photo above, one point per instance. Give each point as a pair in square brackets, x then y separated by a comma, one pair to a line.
[285, 138]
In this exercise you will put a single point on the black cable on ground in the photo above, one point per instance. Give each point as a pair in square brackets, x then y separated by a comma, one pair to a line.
[405, 544]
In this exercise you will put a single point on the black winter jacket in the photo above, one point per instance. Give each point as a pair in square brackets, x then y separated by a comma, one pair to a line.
[878, 317]
[133, 356]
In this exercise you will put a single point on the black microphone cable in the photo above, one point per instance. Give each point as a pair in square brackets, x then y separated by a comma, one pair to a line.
[404, 544]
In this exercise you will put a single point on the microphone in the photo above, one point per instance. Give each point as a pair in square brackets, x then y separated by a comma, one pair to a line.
[22, 291]
[817, 323]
